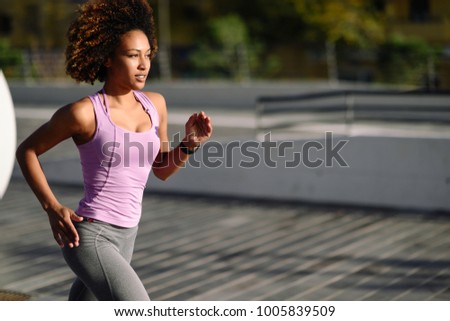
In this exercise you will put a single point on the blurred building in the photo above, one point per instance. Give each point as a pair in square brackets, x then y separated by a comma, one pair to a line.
[428, 19]
[37, 27]
[425, 19]
[36, 23]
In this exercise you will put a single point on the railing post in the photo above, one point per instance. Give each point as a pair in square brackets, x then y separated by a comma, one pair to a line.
[259, 114]
[350, 109]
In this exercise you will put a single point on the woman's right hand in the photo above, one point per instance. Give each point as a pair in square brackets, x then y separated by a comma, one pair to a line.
[76, 121]
[64, 231]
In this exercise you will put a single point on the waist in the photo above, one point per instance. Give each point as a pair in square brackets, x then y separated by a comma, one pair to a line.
[120, 208]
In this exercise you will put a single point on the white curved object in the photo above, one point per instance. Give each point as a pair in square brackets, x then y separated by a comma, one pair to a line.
[7, 135]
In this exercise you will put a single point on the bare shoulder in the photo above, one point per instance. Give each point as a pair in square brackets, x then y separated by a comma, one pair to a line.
[81, 110]
[159, 102]
[76, 120]
[157, 99]
[78, 116]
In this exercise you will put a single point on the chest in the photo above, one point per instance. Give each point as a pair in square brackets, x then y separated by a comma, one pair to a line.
[133, 119]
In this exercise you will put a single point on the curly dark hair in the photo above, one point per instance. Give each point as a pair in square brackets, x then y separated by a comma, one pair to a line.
[96, 33]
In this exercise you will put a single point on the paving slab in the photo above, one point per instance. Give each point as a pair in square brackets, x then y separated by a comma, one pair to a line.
[205, 248]
[200, 247]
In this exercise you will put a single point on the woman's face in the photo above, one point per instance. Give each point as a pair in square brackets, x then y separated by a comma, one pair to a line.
[130, 64]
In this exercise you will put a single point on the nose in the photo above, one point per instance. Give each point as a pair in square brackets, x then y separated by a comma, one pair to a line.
[142, 63]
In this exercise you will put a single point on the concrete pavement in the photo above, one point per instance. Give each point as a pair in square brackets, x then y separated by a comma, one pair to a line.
[206, 247]
[203, 248]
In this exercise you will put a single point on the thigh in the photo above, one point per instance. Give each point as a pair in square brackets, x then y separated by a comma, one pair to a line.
[101, 266]
[80, 292]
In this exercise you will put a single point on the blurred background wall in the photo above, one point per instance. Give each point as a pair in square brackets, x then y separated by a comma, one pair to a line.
[224, 55]
[403, 42]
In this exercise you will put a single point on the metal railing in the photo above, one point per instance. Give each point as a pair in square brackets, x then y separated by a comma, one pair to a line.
[350, 106]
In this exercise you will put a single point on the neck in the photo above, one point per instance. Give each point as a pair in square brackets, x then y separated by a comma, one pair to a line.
[114, 90]
[118, 97]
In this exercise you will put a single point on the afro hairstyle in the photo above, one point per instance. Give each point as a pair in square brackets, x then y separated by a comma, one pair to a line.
[95, 34]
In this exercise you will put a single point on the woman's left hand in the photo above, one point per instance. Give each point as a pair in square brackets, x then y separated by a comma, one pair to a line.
[198, 130]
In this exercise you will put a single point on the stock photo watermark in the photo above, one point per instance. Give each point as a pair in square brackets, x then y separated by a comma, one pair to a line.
[243, 154]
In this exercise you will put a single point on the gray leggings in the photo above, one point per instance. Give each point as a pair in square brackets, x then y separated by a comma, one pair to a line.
[102, 264]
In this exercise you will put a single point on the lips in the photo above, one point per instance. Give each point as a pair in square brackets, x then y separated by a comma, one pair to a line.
[141, 77]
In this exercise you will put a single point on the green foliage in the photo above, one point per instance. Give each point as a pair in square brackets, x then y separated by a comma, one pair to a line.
[228, 51]
[354, 21]
[404, 60]
[9, 57]
[41, 23]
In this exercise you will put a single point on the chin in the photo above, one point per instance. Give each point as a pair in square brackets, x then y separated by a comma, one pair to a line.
[138, 86]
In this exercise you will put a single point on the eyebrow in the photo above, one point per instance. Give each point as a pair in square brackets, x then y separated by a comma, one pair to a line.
[139, 50]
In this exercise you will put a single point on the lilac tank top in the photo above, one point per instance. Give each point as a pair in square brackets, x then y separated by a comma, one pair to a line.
[116, 164]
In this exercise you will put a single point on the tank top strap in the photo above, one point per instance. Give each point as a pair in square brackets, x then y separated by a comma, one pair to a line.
[149, 107]
[99, 109]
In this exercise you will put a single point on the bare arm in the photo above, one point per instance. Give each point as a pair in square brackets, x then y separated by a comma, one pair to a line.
[73, 121]
[198, 129]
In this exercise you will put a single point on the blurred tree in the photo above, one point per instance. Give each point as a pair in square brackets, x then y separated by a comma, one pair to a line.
[268, 22]
[164, 39]
[57, 18]
[267, 26]
[406, 60]
[41, 24]
[228, 50]
[9, 57]
[356, 22]
[39, 30]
